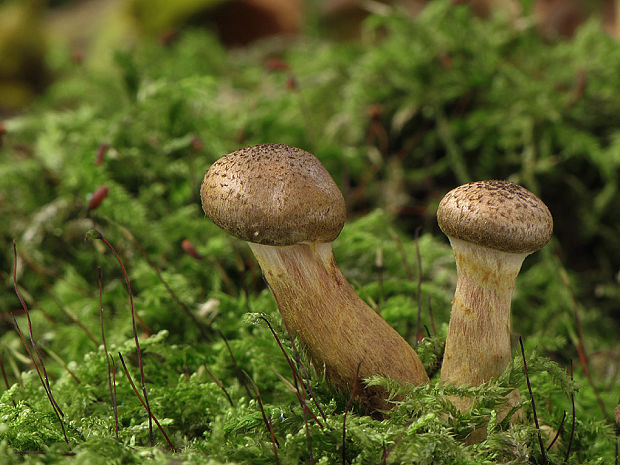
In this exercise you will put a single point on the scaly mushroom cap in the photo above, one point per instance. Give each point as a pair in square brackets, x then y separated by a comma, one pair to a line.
[499, 215]
[273, 194]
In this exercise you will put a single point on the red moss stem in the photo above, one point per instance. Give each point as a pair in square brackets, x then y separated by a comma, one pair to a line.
[100, 236]
[145, 405]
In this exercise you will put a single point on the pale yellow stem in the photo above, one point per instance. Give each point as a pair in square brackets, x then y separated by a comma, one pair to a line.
[338, 329]
[478, 343]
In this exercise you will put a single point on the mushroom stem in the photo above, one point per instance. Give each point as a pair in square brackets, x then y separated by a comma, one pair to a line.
[492, 226]
[478, 343]
[336, 326]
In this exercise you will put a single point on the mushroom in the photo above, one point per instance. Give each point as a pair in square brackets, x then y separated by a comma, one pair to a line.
[284, 203]
[492, 227]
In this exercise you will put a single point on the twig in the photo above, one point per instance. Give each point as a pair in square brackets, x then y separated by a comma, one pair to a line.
[301, 367]
[419, 295]
[56, 357]
[346, 411]
[409, 272]
[557, 434]
[430, 315]
[219, 383]
[296, 375]
[385, 454]
[572, 429]
[46, 384]
[41, 371]
[6, 379]
[274, 441]
[302, 401]
[309, 436]
[46, 387]
[114, 396]
[235, 366]
[107, 355]
[529, 388]
[97, 235]
[144, 404]
[306, 376]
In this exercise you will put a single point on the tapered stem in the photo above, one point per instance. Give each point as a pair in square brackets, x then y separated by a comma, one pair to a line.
[335, 325]
[478, 343]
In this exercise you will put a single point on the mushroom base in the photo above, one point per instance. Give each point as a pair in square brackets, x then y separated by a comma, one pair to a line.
[338, 329]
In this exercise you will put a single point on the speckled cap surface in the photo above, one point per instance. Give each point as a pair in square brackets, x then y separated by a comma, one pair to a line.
[496, 214]
[273, 194]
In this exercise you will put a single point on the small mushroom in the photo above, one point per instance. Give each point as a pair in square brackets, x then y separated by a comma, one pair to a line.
[284, 203]
[492, 227]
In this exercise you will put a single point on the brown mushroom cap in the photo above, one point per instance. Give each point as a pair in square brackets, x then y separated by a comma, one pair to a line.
[273, 194]
[499, 215]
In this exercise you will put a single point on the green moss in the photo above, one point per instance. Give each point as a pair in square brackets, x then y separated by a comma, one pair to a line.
[460, 99]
